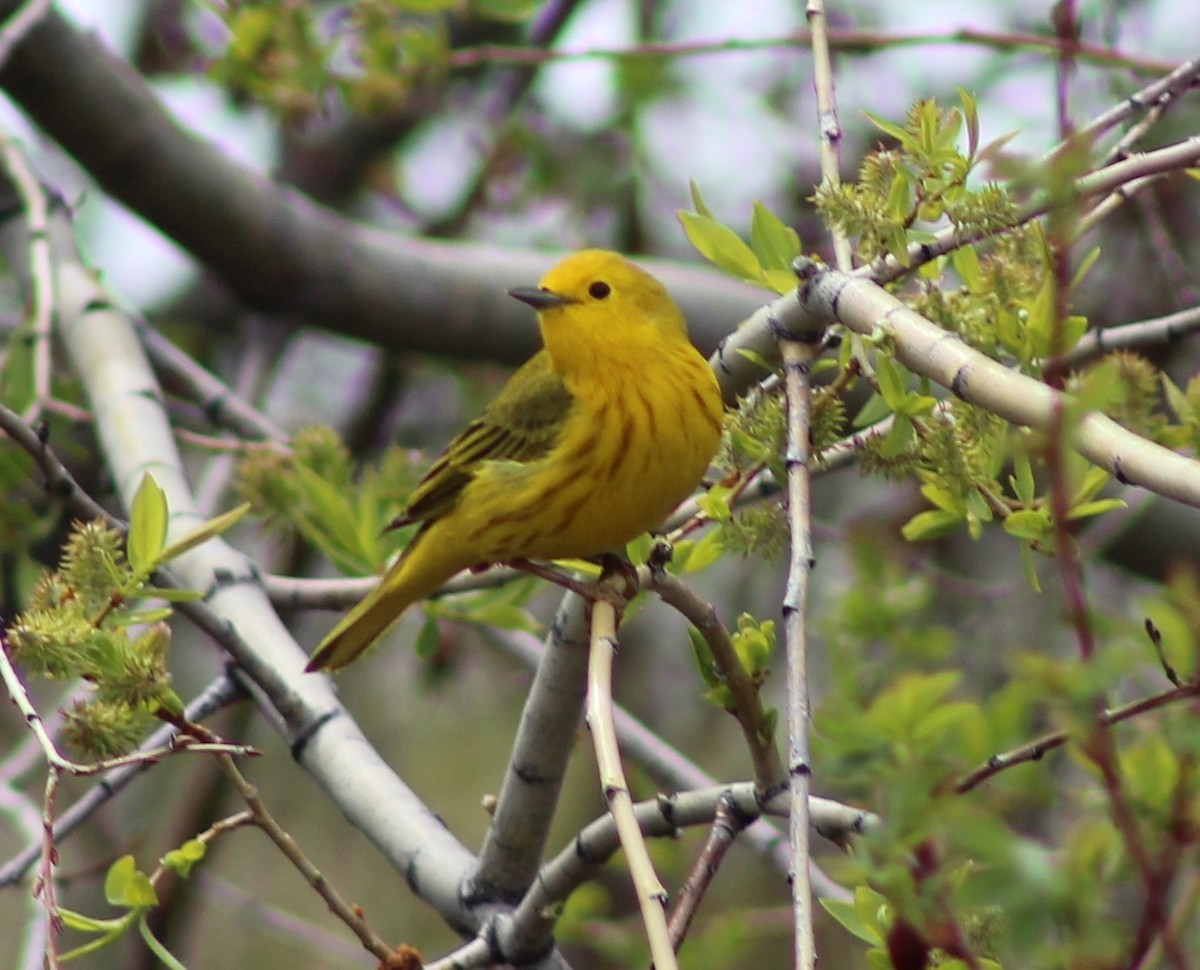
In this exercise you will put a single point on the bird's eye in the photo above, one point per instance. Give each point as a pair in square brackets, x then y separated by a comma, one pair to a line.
[599, 290]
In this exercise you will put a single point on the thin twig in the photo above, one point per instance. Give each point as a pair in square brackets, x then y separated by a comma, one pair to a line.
[20, 24]
[1171, 158]
[798, 356]
[852, 41]
[220, 403]
[1038, 748]
[582, 858]
[1170, 86]
[651, 895]
[41, 266]
[725, 828]
[797, 363]
[1144, 333]
[671, 770]
[748, 708]
[348, 914]
[44, 889]
[223, 691]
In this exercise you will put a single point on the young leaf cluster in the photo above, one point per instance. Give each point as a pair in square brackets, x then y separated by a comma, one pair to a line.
[905, 193]
[753, 642]
[127, 887]
[765, 262]
[283, 55]
[895, 732]
[78, 624]
[312, 489]
[87, 620]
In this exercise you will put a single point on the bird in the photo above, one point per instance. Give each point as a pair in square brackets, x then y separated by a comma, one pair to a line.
[590, 443]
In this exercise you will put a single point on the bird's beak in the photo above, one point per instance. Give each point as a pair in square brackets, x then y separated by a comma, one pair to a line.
[539, 299]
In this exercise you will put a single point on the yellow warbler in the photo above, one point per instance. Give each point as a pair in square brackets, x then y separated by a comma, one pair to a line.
[590, 443]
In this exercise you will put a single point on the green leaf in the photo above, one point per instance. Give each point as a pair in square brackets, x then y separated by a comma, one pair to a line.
[722, 246]
[715, 503]
[1085, 266]
[1096, 507]
[705, 552]
[429, 639]
[705, 665]
[147, 526]
[1039, 327]
[846, 914]
[181, 860]
[944, 499]
[889, 128]
[971, 115]
[965, 261]
[205, 531]
[145, 616]
[756, 358]
[638, 550]
[1094, 479]
[117, 879]
[909, 701]
[89, 924]
[900, 200]
[876, 409]
[898, 437]
[1022, 481]
[932, 524]
[1073, 329]
[774, 243]
[780, 281]
[177, 595]
[127, 887]
[1029, 524]
[893, 383]
[754, 643]
[1179, 403]
[698, 200]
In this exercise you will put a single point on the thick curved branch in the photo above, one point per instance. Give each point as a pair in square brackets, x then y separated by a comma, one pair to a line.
[279, 251]
[102, 345]
[926, 349]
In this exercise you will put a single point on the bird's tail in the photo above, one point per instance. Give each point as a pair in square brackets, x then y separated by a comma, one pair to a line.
[414, 576]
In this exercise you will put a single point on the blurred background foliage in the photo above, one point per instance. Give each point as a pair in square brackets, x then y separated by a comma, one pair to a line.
[581, 122]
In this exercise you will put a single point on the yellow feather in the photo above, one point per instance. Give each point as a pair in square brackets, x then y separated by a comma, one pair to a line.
[592, 442]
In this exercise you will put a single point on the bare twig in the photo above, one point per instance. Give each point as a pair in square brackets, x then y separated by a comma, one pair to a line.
[1038, 748]
[43, 888]
[41, 268]
[852, 41]
[671, 770]
[348, 914]
[651, 895]
[1144, 333]
[220, 403]
[20, 23]
[1164, 89]
[725, 828]
[797, 362]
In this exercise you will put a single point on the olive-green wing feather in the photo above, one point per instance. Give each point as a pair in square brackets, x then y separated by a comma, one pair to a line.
[521, 424]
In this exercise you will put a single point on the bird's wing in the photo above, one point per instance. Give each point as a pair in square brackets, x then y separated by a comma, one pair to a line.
[522, 423]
